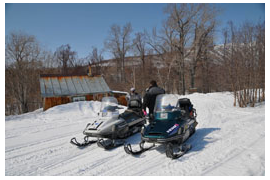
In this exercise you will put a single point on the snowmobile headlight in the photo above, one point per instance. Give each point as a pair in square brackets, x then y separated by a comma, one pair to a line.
[164, 115]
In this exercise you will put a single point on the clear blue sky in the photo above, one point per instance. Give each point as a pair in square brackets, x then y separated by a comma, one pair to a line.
[86, 25]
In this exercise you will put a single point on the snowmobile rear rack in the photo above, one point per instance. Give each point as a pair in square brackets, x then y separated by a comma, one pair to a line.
[83, 144]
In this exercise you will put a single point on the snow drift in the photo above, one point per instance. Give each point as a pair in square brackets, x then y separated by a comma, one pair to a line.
[228, 141]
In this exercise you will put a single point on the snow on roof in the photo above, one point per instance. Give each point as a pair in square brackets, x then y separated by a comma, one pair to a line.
[119, 92]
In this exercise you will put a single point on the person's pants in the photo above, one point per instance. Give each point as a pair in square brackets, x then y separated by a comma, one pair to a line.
[151, 118]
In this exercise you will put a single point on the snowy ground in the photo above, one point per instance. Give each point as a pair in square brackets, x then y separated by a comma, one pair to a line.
[228, 141]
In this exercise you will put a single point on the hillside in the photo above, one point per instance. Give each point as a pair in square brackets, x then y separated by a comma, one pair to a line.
[228, 141]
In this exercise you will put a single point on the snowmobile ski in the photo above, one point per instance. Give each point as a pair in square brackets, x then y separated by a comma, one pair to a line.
[182, 149]
[83, 144]
[108, 144]
[128, 149]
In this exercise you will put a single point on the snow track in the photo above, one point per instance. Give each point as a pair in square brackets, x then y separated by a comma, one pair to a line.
[228, 141]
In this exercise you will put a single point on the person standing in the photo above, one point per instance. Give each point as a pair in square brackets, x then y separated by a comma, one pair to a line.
[135, 95]
[149, 98]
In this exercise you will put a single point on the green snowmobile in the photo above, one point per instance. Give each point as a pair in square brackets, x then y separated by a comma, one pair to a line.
[174, 122]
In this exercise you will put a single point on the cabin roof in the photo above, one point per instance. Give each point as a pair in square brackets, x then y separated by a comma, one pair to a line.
[55, 85]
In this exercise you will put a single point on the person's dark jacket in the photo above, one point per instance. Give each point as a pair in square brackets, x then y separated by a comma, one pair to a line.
[149, 98]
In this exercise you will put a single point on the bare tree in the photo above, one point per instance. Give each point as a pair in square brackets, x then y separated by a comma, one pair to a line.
[161, 43]
[119, 44]
[140, 49]
[260, 49]
[23, 63]
[244, 60]
[203, 26]
[190, 24]
[180, 21]
[65, 57]
[207, 65]
[95, 60]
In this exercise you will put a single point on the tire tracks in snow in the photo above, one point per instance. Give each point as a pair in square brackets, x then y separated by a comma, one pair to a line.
[228, 159]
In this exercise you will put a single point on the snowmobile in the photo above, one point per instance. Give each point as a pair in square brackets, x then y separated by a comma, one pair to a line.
[173, 123]
[111, 128]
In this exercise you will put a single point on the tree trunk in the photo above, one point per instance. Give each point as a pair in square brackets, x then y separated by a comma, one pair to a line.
[192, 77]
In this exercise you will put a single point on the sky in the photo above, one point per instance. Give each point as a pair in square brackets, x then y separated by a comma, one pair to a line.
[84, 26]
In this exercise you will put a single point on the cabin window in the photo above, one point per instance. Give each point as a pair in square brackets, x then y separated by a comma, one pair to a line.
[80, 98]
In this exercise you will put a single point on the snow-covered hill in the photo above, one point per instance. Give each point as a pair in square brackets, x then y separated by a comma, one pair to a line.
[228, 141]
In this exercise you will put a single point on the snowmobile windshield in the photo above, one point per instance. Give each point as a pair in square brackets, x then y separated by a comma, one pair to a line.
[166, 103]
[109, 107]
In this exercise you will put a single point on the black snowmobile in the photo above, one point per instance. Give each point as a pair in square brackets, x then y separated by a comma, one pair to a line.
[174, 122]
[111, 128]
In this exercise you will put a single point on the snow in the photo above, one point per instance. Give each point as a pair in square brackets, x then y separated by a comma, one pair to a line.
[228, 141]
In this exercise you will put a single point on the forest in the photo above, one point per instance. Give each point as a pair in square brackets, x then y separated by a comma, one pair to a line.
[183, 56]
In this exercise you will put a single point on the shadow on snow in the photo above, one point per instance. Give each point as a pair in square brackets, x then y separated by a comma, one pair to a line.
[198, 140]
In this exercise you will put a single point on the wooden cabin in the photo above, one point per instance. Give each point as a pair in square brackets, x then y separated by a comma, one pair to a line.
[59, 89]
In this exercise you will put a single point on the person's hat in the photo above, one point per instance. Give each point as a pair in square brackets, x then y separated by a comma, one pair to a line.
[132, 89]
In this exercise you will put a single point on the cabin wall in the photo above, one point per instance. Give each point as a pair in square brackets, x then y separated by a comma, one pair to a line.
[49, 102]
[121, 98]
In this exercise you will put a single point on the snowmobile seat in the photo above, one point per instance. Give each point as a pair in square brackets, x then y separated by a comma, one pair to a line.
[134, 110]
[134, 104]
[130, 115]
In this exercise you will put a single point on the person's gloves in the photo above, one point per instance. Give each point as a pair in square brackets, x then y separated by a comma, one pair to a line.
[144, 112]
